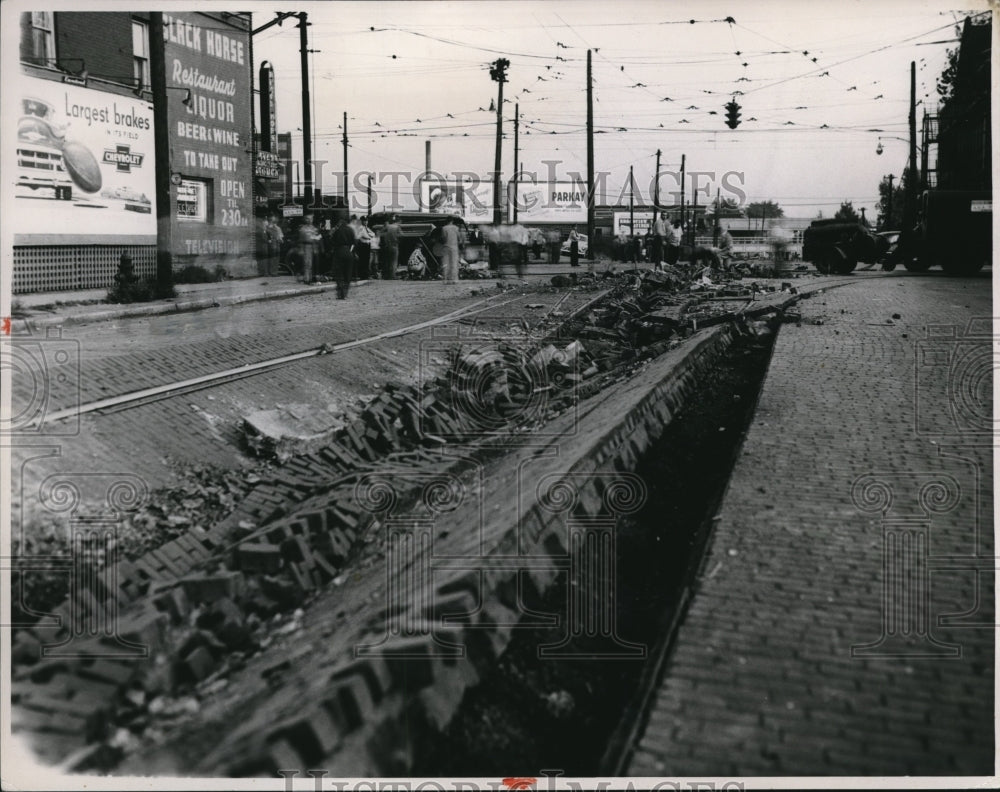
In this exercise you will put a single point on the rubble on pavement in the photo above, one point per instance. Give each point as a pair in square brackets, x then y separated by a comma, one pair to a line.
[217, 594]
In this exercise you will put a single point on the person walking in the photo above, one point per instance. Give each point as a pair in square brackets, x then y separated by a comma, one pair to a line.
[554, 240]
[363, 248]
[519, 234]
[309, 241]
[342, 241]
[574, 248]
[275, 240]
[389, 248]
[449, 258]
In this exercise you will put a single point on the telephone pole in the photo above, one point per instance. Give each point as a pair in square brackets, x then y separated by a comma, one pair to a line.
[345, 161]
[683, 157]
[910, 187]
[516, 120]
[656, 184]
[499, 75]
[631, 202]
[590, 159]
[307, 153]
[161, 146]
[887, 222]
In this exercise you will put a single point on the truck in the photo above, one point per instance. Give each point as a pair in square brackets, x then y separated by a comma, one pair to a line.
[954, 229]
[836, 246]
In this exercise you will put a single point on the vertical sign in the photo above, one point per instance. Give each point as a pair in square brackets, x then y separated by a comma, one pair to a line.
[209, 112]
[268, 109]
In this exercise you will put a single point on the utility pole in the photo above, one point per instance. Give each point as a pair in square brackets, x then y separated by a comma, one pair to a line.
[499, 75]
[683, 158]
[516, 172]
[887, 222]
[312, 118]
[427, 175]
[715, 225]
[694, 210]
[590, 158]
[307, 152]
[631, 203]
[369, 195]
[345, 162]
[656, 185]
[161, 147]
[910, 194]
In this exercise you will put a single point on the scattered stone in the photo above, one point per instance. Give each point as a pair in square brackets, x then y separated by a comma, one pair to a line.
[560, 703]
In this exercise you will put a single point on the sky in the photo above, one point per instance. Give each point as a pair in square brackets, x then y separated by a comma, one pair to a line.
[818, 79]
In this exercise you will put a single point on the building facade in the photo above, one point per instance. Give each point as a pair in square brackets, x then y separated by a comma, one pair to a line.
[82, 152]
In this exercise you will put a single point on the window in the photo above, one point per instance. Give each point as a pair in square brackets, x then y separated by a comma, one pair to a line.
[192, 201]
[42, 38]
[140, 53]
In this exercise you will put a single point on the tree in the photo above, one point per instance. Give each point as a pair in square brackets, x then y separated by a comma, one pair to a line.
[764, 209]
[847, 214]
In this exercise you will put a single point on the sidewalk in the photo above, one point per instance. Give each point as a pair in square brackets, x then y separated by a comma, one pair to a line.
[90, 305]
[843, 620]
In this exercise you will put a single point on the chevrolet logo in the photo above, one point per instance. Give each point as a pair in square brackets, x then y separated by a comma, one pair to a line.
[123, 157]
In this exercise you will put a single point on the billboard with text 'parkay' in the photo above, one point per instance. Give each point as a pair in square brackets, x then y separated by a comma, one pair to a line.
[549, 202]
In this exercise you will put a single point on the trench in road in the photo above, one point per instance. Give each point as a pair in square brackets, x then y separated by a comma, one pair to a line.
[580, 715]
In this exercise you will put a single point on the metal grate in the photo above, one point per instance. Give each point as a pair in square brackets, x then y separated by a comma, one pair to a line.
[49, 268]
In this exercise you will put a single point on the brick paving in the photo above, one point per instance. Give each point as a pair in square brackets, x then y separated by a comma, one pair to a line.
[117, 357]
[793, 658]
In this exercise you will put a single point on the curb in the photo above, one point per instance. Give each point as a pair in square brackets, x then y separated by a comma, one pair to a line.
[178, 307]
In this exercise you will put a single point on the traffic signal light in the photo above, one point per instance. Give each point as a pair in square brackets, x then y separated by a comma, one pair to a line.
[732, 114]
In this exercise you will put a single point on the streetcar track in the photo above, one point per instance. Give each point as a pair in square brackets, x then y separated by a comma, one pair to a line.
[157, 393]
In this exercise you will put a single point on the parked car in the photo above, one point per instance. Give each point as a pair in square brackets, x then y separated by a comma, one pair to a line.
[420, 241]
[582, 246]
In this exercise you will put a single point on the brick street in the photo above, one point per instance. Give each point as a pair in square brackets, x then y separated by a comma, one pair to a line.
[762, 680]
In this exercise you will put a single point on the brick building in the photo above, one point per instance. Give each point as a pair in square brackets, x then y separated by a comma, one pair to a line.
[84, 165]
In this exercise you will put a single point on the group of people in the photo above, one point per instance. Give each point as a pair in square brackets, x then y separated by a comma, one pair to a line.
[662, 244]
[344, 248]
[348, 249]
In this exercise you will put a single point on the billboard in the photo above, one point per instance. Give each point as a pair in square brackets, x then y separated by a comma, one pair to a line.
[84, 168]
[640, 225]
[472, 200]
[550, 202]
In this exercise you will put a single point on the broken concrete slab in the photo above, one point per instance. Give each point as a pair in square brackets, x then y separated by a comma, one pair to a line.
[290, 429]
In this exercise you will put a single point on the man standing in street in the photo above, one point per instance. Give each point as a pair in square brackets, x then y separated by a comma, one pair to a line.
[674, 243]
[389, 248]
[726, 248]
[659, 239]
[449, 259]
[574, 248]
[309, 240]
[342, 241]
[554, 240]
